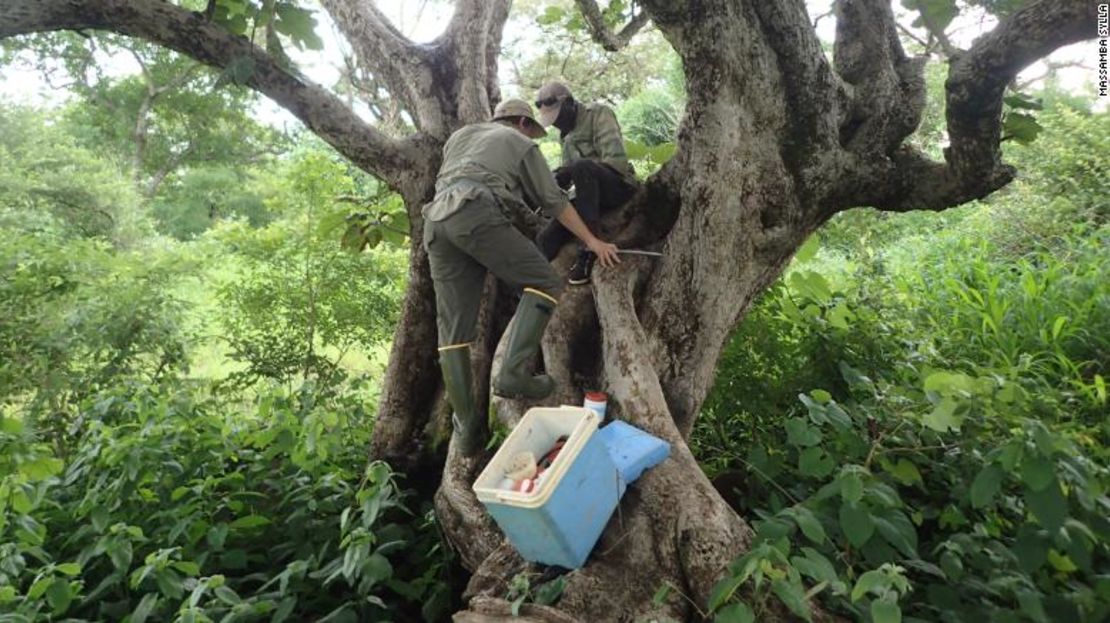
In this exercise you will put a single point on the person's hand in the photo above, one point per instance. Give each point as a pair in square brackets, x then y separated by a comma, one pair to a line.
[606, 252]
[563, 177]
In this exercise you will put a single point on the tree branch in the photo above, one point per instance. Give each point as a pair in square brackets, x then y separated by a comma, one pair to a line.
[810, 83]
[889, 87]
[472, 42]
[1051, 67]
[600, 31]
[189, 33]
[976, 82]
[395, 61]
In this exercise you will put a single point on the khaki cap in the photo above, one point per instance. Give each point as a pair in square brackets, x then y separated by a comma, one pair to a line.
[549, 99]
[519, 108]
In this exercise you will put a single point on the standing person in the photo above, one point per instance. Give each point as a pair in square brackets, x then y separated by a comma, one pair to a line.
[489, 169]
[594, 162]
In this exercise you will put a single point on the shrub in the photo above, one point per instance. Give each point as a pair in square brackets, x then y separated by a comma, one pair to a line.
[176, 508]
[952, 464]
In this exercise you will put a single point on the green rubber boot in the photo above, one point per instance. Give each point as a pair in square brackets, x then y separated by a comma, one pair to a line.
[469, 425]
[515, 380]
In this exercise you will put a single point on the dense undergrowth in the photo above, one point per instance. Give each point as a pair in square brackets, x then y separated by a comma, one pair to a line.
[919, 419]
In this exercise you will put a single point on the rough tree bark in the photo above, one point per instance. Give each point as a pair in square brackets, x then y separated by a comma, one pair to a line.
[776, 139]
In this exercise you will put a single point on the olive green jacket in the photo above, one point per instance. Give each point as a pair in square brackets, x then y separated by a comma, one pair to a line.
[597, 136]
[492, 158]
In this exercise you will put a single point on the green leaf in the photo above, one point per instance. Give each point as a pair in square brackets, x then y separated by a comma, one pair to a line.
[985, 486]
[793, 595]
[299, 25]
[1032, 606]
[661, 595]
[815, 566]
[1019, 100]
[723, 590]
[169, 583]
[250, 521]
[808, 251]
[189, 568]
[550, 592]
[943, 417]
[216, 536]
[1030, 549]
[851, 487]
[935, 15]
[810, 525]
[856, 523]
[7, 594]
[868, 582]
[815, 463]
[949, 383]
[227, 596]
[1037, 473]
[898, 530]
[800, 433]
[145, 607]
[1061, 562]
[839, 317]
[21, 504]
[1021, 127]
[738, 612]
[552, 15]
[70, 568]
[39, 587]
[377, 567]
[1049, 506]
[885, 611]
[905, 472]
[120, 552]
[59, 595]
[811, 285]
[41, 468]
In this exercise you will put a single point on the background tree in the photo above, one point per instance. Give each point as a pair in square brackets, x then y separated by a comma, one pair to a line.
[174, 120]
[776, 139]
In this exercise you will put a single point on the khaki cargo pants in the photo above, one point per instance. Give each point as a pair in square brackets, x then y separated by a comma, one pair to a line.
[462, 247]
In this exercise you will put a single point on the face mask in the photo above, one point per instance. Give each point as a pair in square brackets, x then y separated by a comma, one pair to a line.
[548, 111]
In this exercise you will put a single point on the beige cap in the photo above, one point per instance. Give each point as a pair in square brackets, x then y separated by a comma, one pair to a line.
[520, 108]
[549, 100]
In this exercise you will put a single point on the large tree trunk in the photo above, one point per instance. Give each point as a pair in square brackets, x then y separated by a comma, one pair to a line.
[776, 139]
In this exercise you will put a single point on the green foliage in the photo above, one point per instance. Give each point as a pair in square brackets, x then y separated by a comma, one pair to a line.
[952, 465]
[522, 591]
[50, 183]
[201, 196]
[567, 53]
[175, 507]
[305, 301]
[1070, 162]
[651, 116]
[287, 18]
[165, 117]
[79, 317]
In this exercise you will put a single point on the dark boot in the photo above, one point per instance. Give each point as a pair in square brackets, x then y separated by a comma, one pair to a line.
[469, 425]
[515, 380]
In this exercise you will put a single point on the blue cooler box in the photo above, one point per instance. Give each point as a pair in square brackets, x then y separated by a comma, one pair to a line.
[560, 523]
